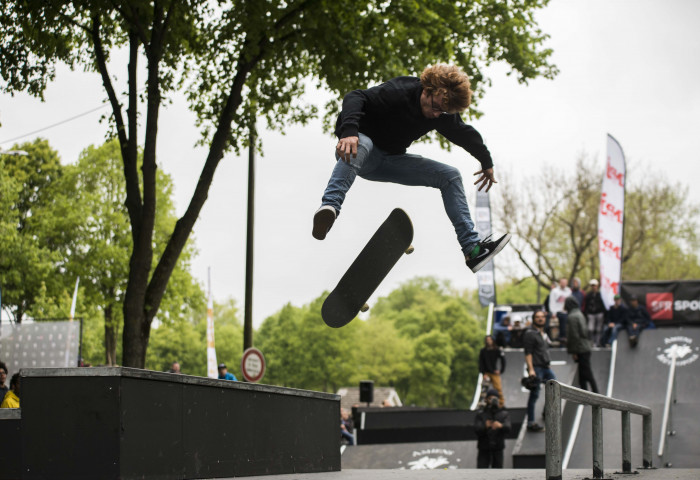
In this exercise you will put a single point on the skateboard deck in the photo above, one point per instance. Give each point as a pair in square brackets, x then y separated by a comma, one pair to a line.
[377, 258]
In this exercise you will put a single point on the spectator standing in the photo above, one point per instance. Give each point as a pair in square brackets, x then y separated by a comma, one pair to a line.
[491, 424]
[636, 319]
[4, 388]
[557, 296]
[516, 333]
[11, 399]
[578, 344]
[594, 308]
[576, 290]
[536, 346]
[492, 364]
[224, 374]
[616, 318]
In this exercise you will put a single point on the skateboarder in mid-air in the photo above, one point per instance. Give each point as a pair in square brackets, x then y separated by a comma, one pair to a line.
[376, 126]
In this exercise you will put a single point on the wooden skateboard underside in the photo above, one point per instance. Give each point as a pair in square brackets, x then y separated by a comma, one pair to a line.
[371, 266]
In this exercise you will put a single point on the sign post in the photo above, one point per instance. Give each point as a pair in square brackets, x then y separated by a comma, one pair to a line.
[253, 365]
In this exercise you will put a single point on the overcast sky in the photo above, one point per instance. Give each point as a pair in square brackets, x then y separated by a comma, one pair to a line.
[628, 68]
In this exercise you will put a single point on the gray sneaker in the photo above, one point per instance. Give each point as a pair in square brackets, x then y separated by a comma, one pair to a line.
[323, 221]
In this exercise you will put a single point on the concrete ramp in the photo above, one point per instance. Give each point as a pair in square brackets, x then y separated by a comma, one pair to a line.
[641, 376]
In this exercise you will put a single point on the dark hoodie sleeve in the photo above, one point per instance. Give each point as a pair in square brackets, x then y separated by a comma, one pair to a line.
[456, 131]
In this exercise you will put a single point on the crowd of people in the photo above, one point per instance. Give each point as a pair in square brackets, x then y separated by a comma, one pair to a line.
[602, 325]
[570, 317]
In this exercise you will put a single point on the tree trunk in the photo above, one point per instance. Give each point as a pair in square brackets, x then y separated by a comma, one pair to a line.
[136, 332]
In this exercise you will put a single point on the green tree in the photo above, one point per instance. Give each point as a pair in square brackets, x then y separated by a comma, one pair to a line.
[223, 54]
[431, 369]
[302, 352]
[34, 239]
[420, 309]
[382, 354]
[555, 228]
[74, 219]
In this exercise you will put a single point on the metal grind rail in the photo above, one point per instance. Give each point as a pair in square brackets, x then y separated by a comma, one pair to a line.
[555, 392]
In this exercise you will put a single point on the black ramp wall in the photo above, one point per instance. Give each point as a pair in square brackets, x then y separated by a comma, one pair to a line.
[121, 423]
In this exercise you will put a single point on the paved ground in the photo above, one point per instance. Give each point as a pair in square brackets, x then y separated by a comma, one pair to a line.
[463, 474]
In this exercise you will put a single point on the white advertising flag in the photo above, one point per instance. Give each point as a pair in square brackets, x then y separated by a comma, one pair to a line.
[611, 215]
[485, 276]
[212, 371]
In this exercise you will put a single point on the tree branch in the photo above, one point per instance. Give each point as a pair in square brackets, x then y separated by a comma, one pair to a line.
[109, 88]
[130, 157]
[135, 20]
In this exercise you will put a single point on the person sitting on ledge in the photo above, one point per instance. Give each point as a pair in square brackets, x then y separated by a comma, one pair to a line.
[11, 399]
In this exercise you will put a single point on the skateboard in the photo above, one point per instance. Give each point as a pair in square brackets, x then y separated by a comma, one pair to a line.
[391, 240]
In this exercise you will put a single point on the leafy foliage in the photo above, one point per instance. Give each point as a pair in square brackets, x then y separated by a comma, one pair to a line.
[63, 222]
[422, 339]
[555, 228]
[238, 61]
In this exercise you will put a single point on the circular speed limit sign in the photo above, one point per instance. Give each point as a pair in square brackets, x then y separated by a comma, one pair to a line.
[253, 365]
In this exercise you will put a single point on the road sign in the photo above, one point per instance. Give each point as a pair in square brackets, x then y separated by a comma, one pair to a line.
[253, 365]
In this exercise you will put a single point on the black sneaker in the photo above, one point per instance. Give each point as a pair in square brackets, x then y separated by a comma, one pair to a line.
[486, 249]
[323, 221]
[534, 427]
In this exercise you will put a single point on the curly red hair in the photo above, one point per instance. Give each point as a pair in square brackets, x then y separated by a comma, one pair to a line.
[451, 82]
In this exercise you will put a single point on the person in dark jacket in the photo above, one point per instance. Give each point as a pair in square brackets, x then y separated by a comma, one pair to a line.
[636, 319]
[615, 318]
[491, 425]
[536, 347]
[576, 290]
[377, 125]
[578, 344]
[594, 308]
[492, 364]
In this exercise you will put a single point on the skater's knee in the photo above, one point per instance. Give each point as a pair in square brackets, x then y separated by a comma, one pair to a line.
[449, 175]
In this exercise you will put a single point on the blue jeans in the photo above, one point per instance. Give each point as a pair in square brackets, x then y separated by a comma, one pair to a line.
[544, 374]
[405, 169]
[610, 333]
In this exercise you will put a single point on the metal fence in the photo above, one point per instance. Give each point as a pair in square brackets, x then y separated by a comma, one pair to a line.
[555, 392]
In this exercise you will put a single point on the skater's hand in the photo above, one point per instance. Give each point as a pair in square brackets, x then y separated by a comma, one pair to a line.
[347, 146]
[486, 179]
[496, 425]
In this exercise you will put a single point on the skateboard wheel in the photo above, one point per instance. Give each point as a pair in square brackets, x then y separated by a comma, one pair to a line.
[409, 250]
[364, 308]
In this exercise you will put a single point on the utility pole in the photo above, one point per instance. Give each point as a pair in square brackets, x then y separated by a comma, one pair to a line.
[248, 309]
